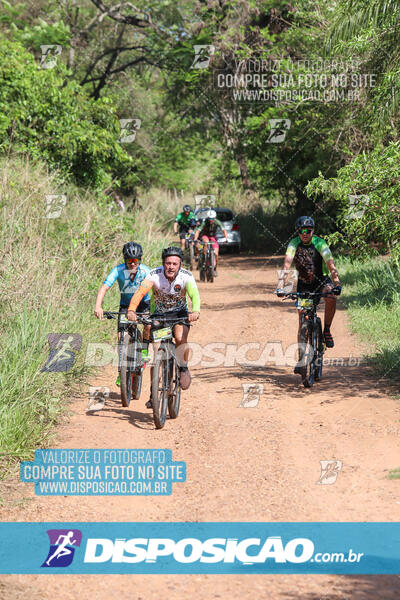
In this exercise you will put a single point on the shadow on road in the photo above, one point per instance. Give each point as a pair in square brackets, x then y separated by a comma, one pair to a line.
[339, 383]
[113, 409]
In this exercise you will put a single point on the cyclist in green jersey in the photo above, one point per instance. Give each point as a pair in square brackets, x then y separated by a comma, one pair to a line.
[185, 222]
[314, 262]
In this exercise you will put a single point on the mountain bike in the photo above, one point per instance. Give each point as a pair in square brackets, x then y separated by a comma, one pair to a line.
[207, 262]
[165, 381]
[130, 360]
[189, 247]
[311, 342]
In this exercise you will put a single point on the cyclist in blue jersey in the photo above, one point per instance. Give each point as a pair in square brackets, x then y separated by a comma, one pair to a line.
[129, 276]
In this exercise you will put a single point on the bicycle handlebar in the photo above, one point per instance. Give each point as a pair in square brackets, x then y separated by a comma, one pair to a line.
[148, 319]
[111, 314]
[295, 295]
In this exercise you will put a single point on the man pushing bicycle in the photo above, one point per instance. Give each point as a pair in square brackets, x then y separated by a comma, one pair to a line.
[169, 285]
[313, 261]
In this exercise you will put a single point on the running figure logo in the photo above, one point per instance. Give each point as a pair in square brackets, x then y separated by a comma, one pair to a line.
[50, 52]
[62, 542]
[203, 54]
[279, 129]
[54, 205]
[62, 351]
[251, 394]
[329, 471]
[129, 128]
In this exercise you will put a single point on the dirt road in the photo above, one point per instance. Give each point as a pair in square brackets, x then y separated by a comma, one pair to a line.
[244, 463]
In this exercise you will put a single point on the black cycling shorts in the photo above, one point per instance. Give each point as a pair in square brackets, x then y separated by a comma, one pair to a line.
[178, 314]
[316, 287]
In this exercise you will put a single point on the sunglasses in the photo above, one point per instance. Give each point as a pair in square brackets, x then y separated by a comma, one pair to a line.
[133, 261]
[304, 231]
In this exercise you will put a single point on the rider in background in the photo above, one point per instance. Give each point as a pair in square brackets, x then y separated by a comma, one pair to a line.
[186, 222]
[129, 275]
[313, 261]
[169, 286]
[207, 232]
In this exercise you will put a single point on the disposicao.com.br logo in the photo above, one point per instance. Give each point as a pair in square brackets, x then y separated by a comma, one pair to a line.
[247, 551]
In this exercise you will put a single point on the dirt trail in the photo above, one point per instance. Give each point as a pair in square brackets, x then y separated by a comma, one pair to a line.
[257, 463]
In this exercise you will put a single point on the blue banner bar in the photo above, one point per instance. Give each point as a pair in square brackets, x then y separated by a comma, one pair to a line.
[245, 548]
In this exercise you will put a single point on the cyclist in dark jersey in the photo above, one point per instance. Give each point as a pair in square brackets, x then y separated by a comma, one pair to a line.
[186, 222]
[207, 232]
[314, 262]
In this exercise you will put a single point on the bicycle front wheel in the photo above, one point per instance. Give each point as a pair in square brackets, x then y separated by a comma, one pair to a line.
[127, 376]
[319, 351]
[174, 395]
[159, 389]
[210, 266]
[307, 354]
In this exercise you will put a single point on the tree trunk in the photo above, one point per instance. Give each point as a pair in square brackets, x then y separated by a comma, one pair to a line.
[244, 172]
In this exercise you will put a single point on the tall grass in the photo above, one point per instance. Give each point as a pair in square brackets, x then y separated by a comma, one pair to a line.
[371, 291]
[50, 271]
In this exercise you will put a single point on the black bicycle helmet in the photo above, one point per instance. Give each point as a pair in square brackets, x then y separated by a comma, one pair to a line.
[304, 222]
[187, 208]
[171, 251]
[132, 250]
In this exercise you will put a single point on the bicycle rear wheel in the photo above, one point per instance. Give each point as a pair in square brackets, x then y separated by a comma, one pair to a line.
[307, 354]
[159, 389]
[191, 256]
[174, 395]
[131, 381]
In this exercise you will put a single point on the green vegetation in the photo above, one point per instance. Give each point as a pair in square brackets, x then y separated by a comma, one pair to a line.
[50, 272]
[60, 130]
[394, 474]
[371, 292]
[57, 122]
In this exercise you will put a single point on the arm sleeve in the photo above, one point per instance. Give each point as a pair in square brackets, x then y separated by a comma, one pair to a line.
[292, 247]
[111, 277]
[325, 251]
[140, 293]
[193, 293]
[178, 218]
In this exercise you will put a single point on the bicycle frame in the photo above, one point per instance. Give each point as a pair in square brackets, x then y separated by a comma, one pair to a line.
[208, 259]
[165, 384]
[130, 360]
[311, 336]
